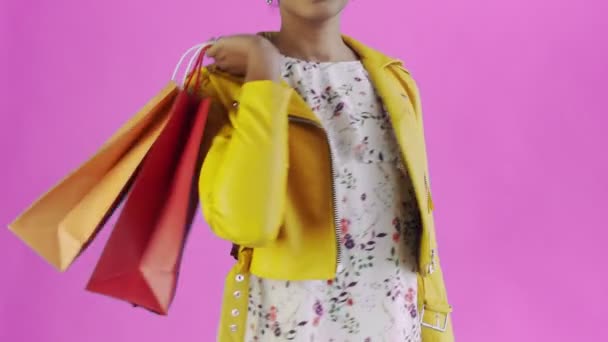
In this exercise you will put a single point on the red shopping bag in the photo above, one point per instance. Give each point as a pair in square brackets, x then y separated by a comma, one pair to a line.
[140, 263]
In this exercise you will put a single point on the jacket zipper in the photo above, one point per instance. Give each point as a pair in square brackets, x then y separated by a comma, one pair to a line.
[334, 195]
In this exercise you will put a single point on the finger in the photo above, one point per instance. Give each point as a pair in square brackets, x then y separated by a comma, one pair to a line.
[213, 50]
[221, 63]
[212, 67]
[220, 60]
[214, 46]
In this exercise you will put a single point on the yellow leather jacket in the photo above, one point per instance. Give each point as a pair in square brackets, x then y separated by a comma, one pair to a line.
[266, 185]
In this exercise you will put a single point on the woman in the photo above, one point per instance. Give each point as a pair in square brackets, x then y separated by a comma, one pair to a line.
[317, 170]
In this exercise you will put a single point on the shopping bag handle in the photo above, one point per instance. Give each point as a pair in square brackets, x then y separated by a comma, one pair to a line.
[200, 49]
[197, 73]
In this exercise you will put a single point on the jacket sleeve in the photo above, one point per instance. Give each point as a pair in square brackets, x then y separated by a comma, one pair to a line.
[243, 179]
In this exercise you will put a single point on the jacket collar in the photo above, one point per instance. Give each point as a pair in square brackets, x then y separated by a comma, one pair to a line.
[226, 87]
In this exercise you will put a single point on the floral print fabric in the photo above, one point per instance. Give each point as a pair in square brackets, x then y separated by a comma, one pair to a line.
[374, 296]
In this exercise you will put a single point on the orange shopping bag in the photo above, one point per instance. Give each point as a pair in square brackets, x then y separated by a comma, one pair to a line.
[60, 224]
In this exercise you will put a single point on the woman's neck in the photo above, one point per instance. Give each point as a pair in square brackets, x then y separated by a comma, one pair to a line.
[313, 41]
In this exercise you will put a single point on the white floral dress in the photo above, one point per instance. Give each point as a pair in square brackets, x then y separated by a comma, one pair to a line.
[373, 298]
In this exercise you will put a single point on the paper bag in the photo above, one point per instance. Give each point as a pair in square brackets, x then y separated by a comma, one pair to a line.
[59, 224]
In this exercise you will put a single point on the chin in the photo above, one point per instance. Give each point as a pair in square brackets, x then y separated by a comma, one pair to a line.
[315, 10]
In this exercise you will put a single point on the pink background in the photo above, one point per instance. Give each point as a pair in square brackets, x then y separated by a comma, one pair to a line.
[516, 104]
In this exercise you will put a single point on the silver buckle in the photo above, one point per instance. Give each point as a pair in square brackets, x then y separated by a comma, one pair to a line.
[438, 326]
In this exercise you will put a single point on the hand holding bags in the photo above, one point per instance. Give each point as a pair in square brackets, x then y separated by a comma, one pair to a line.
[59, 224]
[140, 263]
